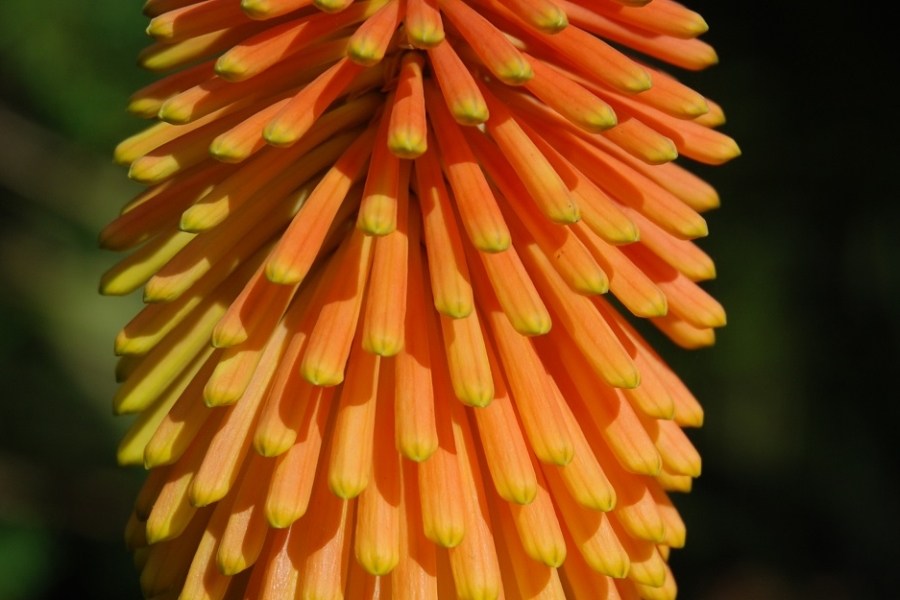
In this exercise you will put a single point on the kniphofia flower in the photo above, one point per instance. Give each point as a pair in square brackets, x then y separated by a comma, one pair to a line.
[377, 358]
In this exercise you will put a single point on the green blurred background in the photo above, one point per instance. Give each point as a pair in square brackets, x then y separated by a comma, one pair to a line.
[799, 495]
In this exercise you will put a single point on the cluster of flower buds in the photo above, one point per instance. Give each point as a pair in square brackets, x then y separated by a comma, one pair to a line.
[377, 358]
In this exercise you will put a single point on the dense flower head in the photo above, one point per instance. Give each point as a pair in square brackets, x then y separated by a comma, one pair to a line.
[377, 358]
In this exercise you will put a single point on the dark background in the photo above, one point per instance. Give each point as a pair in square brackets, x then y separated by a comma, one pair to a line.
[799, 494]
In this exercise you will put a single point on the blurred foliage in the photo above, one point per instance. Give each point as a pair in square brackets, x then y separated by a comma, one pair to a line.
[799, 492]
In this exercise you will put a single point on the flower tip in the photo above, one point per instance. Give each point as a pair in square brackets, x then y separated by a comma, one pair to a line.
[600, 120]
[595, 284]
[377, 563]
[696, 26]
[112, 284]
[448, 536]
[222, 151]
[558, 453]
[123, 345]
[619, 570]
[653, 305]
[474, 390]
[159, 290]
[497, 241]
[677, 483]
[521, 492]
[717, 317]
[478, 394]
[694, 467]
[107, 240]
[565, 213]
[202, 493]
[127, 454]
[687, 336]
[279, 272]
[124, 153]
[479, 586]
[158, 531]
[693, 229]
[171, 112]
[156, 459]
[153, 60]
[145, 108]
[628, 234]
[156, 30]
[382, 345]
[216, 394]
[406, 146]
[346, 489]
[202, 217]
[278, 134]
[226, 337]
[375, 225]
[626, 378]
[365, 52]
[638, 82]
[152, 169]
[161, 28]
[697, 108]
[265, 446]
[552, 555]
[232, 564]
[650, 465]
[425, 38]
[279, 519]
[418, 450]
[554, 21]
[694, 419]
[715, 117]
[704, 58]
[716, 149]
[331, 6]
[470, 113]
[455, 307]
[256, 9]
[230, 68]
[516, 72]
[732, 150]
[661, 153]
[676, 538]
[192, 220]
[317, 375]
[534, 324]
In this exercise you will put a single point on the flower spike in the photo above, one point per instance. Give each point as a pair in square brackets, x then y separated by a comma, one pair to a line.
[377, 358]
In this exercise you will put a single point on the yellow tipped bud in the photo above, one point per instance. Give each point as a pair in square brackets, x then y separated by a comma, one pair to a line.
[407, 132]
[458, 87]
[269, 9]
[424, 27]
[491, 46]
[470, 371]
[547, 16]
[332, 6]
[369, 42]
